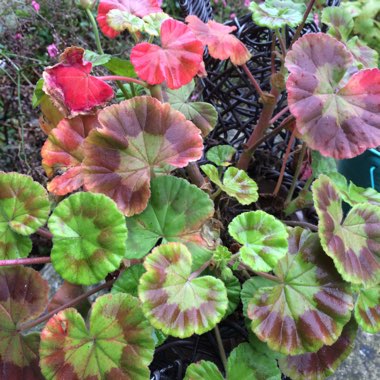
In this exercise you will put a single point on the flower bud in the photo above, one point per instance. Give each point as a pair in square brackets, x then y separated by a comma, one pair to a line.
[86, 4]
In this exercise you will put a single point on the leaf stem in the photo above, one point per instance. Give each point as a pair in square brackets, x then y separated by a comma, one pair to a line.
[25, 261]
[43, 318]
[200, 270]
[95, 30]
[282, 43]
[300, 26]
[267, 276]
[296, 223]
[156, 92]
[284, 162]
[195, 175]
[253, 80]
[296, 174]
[44, 233]
[124, 79]
[222, 352]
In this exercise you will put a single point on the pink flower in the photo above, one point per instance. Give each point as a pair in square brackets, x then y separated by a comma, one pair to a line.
[36, 6]
[247, 2]
[232, 15]
[18, 36]
[52, 50]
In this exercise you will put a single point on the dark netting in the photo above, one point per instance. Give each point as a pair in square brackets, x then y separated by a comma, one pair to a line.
[228, 89]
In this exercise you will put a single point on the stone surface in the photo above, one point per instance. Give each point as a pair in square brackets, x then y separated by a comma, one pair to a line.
[364, 361]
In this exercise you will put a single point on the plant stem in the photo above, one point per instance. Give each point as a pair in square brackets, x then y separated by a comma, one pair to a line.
[278, 115]
[253, 80]
[214, 195]
[262, 125]
[26, 261]
[44, 233]
[43, 318]
[284, 162]
[300, 26]
[222, 353]
[295, 223]
[95, 30]
[124, 79]
[156, 92]
[195, 175]
[200, 270]
[282, 43]
[296, 174]
[267, 276]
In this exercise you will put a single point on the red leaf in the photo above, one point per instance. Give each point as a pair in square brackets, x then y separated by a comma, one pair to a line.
[71, 87]
[64, 151]
[177, 61]
[221, 44]
[138, 8]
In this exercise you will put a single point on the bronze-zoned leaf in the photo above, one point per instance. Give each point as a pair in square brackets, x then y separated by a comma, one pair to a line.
[136, 137]
[367, 309]
[309, 305]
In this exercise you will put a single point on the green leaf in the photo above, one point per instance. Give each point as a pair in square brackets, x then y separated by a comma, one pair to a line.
[275, 14]
[120, 20]
[244, 363]
[23, 297]
[175, 300]
[365, 57]
[121, 67]
[340, 22]
[236, 183]
[176, 212]
[117, 345]
[24, 207]
[308, 307]
[353, 243]
[221, 256]
[250, 288]
[367, 309]
[38, 93]
[264, 239]
[89, 235]
[323, 363]
[95, 58]
[128, 281]
[202, 114]
[204, 370]
[152, 23]
[232, 285]
[221, 155]
[321, 164]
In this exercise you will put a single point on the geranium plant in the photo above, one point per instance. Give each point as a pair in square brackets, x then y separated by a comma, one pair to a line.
[129, 210]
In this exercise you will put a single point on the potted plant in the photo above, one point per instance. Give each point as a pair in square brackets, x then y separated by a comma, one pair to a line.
[182, 247]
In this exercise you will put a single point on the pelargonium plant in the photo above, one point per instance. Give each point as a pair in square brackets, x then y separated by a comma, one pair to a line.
[127, 208]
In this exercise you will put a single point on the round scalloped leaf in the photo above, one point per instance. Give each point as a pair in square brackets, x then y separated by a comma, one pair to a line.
[23, 296]
[245, 363]
[128, 281]
[367, 309]
[176, 212]
[249, 289]
[117, 345]
[353, 244]
[264, 239]
[177, 61]
[323, 363]
[89, 234]
[63, 151]
[236, 183]
[338, 119]
[340, 22]
[221, 155]
[365, 57]
[202, 114]
[71, 87]
[275, 14]
[308, 307]
[220, 42]
[321, 164]
[153, 22]
[121, 20]
[137, 136]
[139, 8]
[175, 300]
[204, 370]
[24, 207]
